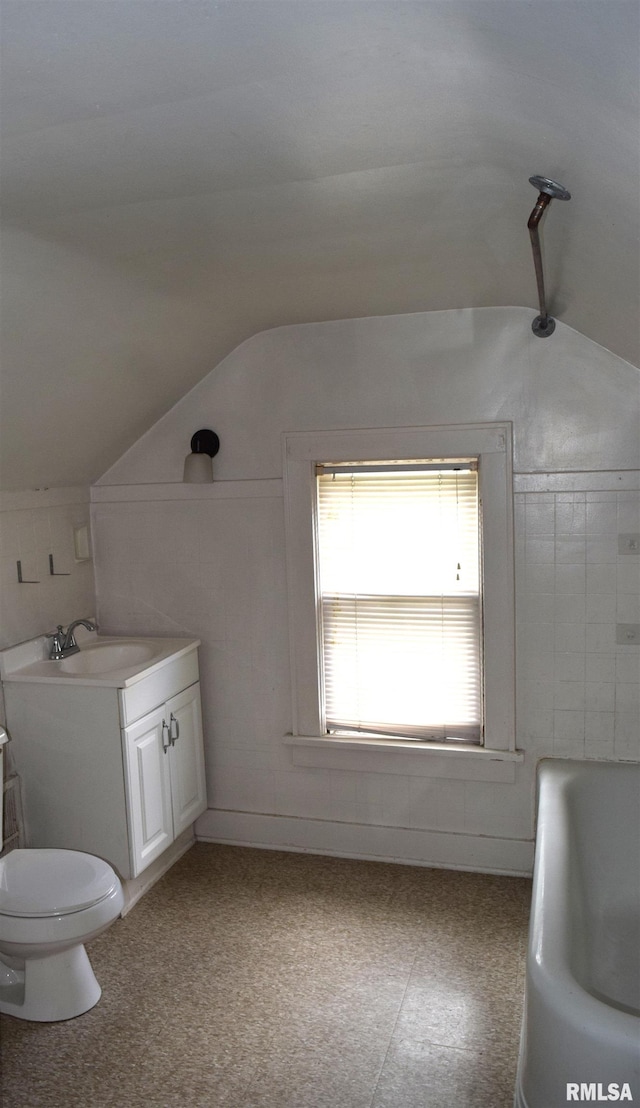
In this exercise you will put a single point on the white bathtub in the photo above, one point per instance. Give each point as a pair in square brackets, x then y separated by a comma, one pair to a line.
[581, 1027]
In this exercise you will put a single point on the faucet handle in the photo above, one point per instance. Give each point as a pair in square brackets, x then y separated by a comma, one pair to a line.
[57, 641]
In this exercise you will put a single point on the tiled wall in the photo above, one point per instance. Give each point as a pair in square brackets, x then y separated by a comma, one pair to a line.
[578, 688]
[34, 525]
[214, 567]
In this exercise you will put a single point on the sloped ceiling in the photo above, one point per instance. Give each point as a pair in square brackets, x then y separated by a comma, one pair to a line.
[178, 176]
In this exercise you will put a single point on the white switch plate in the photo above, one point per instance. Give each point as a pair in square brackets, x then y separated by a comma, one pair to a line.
[628, 634]
[81, 543]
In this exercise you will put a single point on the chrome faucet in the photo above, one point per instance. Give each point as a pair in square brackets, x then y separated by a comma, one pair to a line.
[63, 643]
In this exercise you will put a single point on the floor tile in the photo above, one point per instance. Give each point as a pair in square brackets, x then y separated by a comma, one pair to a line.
[423, 1075]
[322, 1075]
[456, 1015]
[261, 979]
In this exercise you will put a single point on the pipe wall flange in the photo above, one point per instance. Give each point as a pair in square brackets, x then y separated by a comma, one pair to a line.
[543, 327]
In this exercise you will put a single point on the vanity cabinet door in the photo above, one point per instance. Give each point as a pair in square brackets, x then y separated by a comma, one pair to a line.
[147, 749]
[188, 791]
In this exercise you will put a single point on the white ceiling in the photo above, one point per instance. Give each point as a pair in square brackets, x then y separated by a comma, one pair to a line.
[179, 175]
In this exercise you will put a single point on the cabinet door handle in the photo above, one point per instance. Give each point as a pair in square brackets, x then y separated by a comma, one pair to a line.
[174, 729]
[165, 746]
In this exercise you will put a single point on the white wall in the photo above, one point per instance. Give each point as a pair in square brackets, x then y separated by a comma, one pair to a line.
[210, 561]
[33, 525]
[95, 355]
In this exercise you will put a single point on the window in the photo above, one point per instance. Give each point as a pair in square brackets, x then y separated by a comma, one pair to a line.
[399, 599]
[365, 619]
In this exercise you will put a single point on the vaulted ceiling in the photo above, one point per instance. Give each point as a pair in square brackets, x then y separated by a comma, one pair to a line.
[179, 175]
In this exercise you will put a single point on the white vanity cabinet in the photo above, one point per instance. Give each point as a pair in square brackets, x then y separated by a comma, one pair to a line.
[110, 765]
[164, 773]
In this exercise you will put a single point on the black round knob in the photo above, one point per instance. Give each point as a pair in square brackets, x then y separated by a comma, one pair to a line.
[205, 442]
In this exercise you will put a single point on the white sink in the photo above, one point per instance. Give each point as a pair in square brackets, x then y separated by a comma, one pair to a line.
[113, 662]
[109, 656]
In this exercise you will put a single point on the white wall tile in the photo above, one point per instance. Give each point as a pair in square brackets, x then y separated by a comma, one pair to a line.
[627, 665]
[628, 607]
[600, 638]
[303, 792]
[570, 579]
[539, 517]
[627, 735]
[238, 783]
[627, 699]
[495, 810]
[569, 497]
[600, 696]
[540, 578]
[538, 637]
[436, 805]
[370, 797]
[540, 550]
[570, 549]
[601, 578]
[536, 608]
[538, 723]
[540, 667]
[628, 575]
[569, 695]
[568, 733]
[628, 504]
[602, 518]
[570, 518]
[599, 734]
[601, 549]
[600, 667]
[343, 801]
[568, 637]
[569, 666]
[601, 607]
[570, 608]
[536, 693]
[540, 746]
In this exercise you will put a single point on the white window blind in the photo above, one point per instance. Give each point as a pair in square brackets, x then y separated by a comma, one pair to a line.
[400, 605]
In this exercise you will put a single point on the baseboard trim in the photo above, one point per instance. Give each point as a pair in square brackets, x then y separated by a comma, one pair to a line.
[138, 886]
[405, 846]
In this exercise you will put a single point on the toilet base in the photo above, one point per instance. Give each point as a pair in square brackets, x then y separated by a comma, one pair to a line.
[49, 989]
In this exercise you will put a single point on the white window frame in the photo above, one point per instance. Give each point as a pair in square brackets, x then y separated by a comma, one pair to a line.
[491, 443]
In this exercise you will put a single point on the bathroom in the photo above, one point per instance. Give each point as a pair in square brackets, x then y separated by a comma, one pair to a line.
[294, 336]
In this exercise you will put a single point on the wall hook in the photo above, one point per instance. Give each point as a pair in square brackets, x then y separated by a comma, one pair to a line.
[53, 572]
[21, 580]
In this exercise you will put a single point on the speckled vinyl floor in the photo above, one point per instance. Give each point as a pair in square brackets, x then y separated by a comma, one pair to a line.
[253, 979]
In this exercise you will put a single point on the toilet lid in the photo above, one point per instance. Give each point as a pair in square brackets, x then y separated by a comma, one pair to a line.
[52, 882]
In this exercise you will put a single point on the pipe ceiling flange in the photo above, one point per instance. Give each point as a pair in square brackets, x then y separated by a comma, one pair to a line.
[550, 188]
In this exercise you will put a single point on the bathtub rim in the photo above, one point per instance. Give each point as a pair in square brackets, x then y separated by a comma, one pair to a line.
[544, 982]
[551, 938]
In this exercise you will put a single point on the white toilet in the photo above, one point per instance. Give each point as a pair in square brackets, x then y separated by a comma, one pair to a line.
[51, 903]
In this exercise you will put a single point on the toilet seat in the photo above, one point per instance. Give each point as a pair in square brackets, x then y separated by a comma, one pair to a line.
[43, 883]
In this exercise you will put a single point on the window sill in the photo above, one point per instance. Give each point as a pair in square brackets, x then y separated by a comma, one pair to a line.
[347, 752]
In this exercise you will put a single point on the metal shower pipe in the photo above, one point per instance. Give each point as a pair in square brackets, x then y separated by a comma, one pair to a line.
[543, 325]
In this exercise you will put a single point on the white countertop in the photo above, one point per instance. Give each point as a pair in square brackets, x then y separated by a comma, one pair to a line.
[29, 662]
